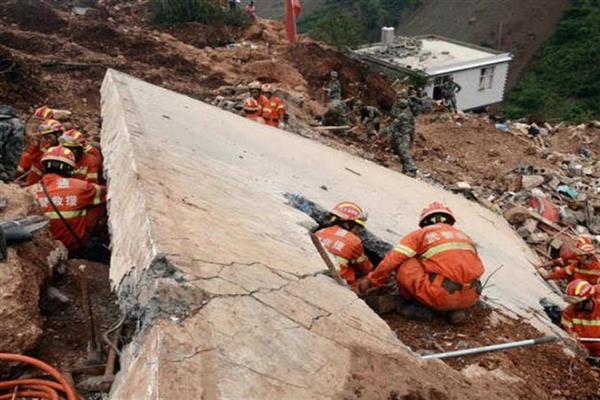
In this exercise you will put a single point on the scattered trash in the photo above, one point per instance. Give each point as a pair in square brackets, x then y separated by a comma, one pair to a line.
[567, 191]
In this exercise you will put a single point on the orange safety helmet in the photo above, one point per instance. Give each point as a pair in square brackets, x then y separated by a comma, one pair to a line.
[267, 88]
[44, 112]
[578, 290]
[251, 105]
[584, 246]
[72, 138]
[60, 154]
[348, 211]
[50, 126]
[436, 208]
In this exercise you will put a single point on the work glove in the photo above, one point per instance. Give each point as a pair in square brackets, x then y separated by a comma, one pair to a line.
[364, 285]
[281, 125]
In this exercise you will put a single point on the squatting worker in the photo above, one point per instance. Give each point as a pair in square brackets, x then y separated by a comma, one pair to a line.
[581, 318]
[342, 240]
[437, 268]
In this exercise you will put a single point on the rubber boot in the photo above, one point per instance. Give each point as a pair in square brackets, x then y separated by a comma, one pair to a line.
[415, 311]
[457, 317]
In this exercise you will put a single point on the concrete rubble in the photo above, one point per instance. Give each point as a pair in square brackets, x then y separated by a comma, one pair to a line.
[221, 276]
[23, 275]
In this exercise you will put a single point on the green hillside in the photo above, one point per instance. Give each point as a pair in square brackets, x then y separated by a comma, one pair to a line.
[564, 84]
[349, 23]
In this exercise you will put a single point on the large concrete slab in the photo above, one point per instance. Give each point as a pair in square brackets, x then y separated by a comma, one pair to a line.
[223, 278]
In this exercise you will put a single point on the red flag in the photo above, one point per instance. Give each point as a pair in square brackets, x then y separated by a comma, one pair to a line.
[292, 11]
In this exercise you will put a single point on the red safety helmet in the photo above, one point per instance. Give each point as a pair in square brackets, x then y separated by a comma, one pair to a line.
[60, 154]
[584, 246]
[578, 290]
[251, 105]
[44, 112]
[50, 126]
[72, 138]
[348, 211]
[436, 208]
[267, 88]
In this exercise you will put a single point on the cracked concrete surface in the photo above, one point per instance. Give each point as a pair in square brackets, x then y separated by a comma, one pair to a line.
[220, 274]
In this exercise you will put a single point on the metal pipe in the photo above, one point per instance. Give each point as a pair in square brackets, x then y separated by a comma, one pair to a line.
[494, 347]
[587, 339]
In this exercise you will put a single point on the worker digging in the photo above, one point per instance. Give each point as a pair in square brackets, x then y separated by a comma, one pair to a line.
[112, 256]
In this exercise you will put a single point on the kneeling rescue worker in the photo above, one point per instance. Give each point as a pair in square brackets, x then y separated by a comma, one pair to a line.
[87, 166]
[582, 317]
[583, 264]
[341, 240]
[437, 268]
[74, 207]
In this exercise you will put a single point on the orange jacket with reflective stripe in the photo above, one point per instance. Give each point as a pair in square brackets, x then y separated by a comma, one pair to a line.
[35, 172]
[576, 270]
[29, 156]
[349, 252]
[272, 109]
[93, 150]
[72, 197]
[584, 325]
[87, 168]
[441, 249]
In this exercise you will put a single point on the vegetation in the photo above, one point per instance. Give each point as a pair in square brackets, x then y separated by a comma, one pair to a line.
[348, 23]
[565, 83]
[171, 12]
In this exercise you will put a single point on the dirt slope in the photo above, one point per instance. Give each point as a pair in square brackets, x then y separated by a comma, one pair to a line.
[526, 25]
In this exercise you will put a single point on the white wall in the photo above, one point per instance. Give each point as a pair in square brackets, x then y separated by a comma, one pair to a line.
[470, 96]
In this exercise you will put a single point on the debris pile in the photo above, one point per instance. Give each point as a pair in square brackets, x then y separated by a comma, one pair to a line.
[402, 46]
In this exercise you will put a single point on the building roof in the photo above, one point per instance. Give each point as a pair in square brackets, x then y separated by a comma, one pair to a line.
[432, 54]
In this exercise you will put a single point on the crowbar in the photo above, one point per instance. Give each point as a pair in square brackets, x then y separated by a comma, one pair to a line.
[323, 253]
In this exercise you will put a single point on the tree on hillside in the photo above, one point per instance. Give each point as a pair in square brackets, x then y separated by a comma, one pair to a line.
[565, 82]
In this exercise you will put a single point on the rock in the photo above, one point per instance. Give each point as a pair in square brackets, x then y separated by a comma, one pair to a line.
[588, 171]
[528, 228]
[21, 276]
[517, 214]
[595, 123]
[549, 127]
[537, 237]
[554, 182]
[531, 181]
[462, 186]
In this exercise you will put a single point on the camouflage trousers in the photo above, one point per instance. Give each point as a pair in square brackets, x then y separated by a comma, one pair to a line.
[402, 143]
[335, 114]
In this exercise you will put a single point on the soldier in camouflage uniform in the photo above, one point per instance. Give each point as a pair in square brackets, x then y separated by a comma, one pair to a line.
[414, 102]
[337, 110]
[403, 134]
[449, 91]
[12, 138]
[425, 101]
[335, 87]
[370, 116]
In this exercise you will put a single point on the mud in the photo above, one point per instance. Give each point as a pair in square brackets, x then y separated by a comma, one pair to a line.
[563, 377]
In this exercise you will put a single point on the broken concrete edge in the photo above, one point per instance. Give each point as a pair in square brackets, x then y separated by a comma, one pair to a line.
[131, 208]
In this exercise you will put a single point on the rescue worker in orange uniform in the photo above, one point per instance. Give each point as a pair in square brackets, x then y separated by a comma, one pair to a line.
[341, 239]
[581, 318]
[584, 264]
[272, 109]
[80, 203]
[437, 265]
[44, 113]
[87, 166]
[31, 160]
[252, 110]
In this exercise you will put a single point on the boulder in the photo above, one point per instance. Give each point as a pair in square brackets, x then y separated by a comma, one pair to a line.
[26, 269]
[531, 181]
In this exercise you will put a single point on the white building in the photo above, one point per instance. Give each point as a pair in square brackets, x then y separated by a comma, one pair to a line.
[479, 71]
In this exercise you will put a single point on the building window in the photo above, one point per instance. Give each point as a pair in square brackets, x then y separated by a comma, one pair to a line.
[486, 78]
